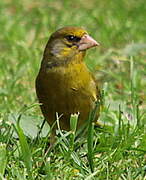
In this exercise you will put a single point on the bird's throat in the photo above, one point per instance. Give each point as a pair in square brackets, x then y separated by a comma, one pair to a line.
[57, 62]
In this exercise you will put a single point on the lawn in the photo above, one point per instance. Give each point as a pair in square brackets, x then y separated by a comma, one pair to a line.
[119, 64]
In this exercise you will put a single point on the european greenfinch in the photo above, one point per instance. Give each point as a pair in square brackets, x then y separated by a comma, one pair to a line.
[64, 84]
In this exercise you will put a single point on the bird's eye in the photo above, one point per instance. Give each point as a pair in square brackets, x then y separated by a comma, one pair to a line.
[73, 38]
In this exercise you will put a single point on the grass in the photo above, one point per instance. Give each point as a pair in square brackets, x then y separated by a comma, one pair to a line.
[119, 148]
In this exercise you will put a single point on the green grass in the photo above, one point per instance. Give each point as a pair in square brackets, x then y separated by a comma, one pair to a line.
[119, 148]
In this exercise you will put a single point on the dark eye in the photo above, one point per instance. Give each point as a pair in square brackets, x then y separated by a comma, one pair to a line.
[73, 38]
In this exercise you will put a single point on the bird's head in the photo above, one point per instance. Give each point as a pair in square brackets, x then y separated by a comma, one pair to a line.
[69, 41]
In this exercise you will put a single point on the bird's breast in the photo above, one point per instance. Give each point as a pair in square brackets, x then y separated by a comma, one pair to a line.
[69, 88]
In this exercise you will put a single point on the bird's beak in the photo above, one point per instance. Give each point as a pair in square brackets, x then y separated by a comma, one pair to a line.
[87, 42]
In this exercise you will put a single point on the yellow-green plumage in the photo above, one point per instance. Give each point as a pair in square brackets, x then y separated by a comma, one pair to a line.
[64, 84]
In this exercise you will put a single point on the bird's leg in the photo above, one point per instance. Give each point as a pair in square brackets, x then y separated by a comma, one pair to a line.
[52, 141]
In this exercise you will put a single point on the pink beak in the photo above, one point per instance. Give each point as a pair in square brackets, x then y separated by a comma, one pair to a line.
[87, 42]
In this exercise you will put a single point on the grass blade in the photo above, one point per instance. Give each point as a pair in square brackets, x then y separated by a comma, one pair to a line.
[25, 150]
[73, 127]
[90, 135]
[3, 159]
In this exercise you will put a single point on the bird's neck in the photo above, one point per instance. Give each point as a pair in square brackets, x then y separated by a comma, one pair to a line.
[52, 61]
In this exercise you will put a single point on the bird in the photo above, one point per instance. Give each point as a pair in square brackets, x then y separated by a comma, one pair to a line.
[64, 84]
